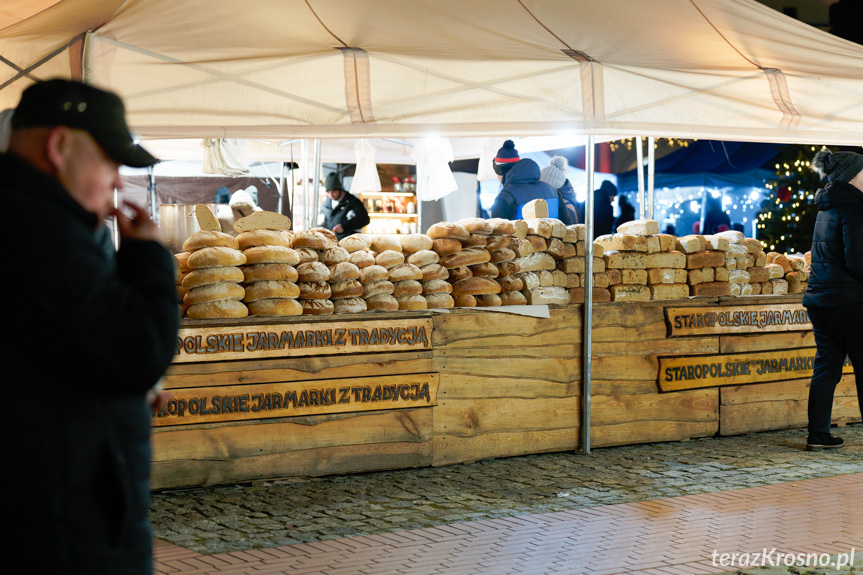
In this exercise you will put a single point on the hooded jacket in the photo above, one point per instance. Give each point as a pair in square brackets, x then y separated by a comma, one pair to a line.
[84, 338]
[836, 274]
[521, 185]
[350, 212]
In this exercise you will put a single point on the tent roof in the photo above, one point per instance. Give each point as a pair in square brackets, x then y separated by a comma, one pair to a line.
[720, 69]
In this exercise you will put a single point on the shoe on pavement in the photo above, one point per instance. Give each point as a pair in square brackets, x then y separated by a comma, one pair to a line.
[819, 441]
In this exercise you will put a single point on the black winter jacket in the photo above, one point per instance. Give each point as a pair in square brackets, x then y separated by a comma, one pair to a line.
[81, 344]
[521, 185]
[836, 275]
[350, 212]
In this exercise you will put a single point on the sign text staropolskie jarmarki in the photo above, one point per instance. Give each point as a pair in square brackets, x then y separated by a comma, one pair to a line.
[713, 320]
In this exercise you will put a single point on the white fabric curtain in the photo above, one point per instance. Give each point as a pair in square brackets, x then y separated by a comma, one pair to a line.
[434, 177]
[222, 156]
[366, 177]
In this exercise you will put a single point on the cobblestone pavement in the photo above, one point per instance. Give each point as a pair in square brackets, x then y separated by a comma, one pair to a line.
[284, 512]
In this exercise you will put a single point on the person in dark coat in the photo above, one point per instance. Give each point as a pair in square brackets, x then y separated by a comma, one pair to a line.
[627, 211]
[521, 184]
[715, 218]
[834, 295]
[342, 212]
[85, 339]
[554, 174]
[603, 212]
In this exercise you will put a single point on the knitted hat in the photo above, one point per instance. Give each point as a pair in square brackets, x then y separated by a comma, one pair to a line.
[333, 182]
[505, 158]
[609, 188]
[838, 167]
[554, 174]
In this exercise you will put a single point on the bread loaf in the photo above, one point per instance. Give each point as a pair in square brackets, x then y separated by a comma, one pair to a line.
[348, 288]
[412, 243]
[349, 305]
[535, 262]
[412, 302]
[407, 287]
[717, 243]
[500, 226]
[215, 257]
[625, 292]
[529, 279]
[705, 259]
[310, 239]
[447, 230]
[620, 260]
[600, 295]
[382, 243]
[666, 276]
[271, 255]
[509, 284]
[669, 291]
[262, 221]
[182, 260]
[502, 255]
[315, 290]
[485, 269]
[436, 286]
[381, 287]
[434, 272]
[278, 306]
[476, 226]
[206, 219]
[355, 243]
[423, 258]
[537, 243]
[389, 258]
[317, 306]
[555, 248]
[538, 227]
[670, 259]
[439, 301]
[466, 257]
[622, 242]
[405, 272]
[373, 273]
[382, 302]
[475, 241]
[214, 292]
[535, 209]
[217, 309]
[313, 272]
[344, 271]
[334, 255]
[513, 298]
[306, 255]
[207, 276]
[690, 244]
[639, 227]
[464, 301]
[254, 238]
[456, 274]
[475, 286]
[263, 272]
[547, 296]
[488, 300]
[209, 239]
[362, 259]
[446, 246]
[509, 268]
[711, 289]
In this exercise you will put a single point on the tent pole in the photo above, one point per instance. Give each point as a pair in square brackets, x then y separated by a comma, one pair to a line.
[651, 161]
[282, 187]
[151, 187]
[639, 160]
[588, 297]
[305, 158]
[316, 206]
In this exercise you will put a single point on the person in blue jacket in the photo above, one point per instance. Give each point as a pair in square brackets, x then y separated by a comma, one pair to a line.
[521, 184]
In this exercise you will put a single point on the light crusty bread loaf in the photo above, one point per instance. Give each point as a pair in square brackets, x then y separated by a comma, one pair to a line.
[622, 242]
[382, 302]
[348, 288]
[535, 209]
[344, 271]
[355, 243]
[690, 244]
[558, 229]
[498, 242]
[485, 270]
[262, 272]
[464, 301]
[278, 306]
[389, 258]
[580, 231]
[671, 259]
[271, 289]
[717, 243]
[535, 262]
[537, 243]
[313, 272]
[373, 273]
[434, 272]
[539, 227]
[405, 272]
[555, 248]
[334, 255]
[214, 292]
[362, 259]
[436, 286]
[705, 259]
[505, 269]
[412, 302]
[475, 286]
[666, 276]
[317, 307]
[332, 240]
[456, 274]
[412, 243]
[628, 292]
[476, 226]
[669, 291]
[306, 254]
[182, 261]
[513, 298]
[381, 287]
[720, 274]
[774, 271]
[423, 258]
[349, 305]
[733, 236]
[510, 284]
[288, 235]
[382, 243]
[475, 241]
[753, 246]
[271, 255]
[310, 239]
[466, 257]
[217, 309]
[315, 290]
[502, 255]
[446, 246]
[215, 257]
[206, 219]
[209, 239]
[738, 277]
[447, 230]
[547, 296]
[254, 238]
[263, 221]
[407, 287]
[439, 301]
[639, 227]
[207, 276]
[488, 300]
[759, 274]
[620, 260]
[500, 226]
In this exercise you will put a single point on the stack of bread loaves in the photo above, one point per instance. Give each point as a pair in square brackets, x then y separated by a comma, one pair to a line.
[482, 286]
[705, 263]
[746, 264]
[575, 267]
[270, 275]
[313, 274]
[543, 282]
[461, 263]
[181, 270]
[344, 279]
[407, 289]
[788, 273]
[432, 276]
[506, 243]
[213, 282]
[377, 290]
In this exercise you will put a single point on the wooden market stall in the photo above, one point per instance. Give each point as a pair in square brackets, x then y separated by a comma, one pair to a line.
[308, 396]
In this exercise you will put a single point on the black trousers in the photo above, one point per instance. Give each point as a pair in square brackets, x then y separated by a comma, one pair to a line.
[837, 335]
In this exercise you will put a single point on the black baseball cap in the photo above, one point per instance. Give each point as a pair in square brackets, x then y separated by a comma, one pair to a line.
[77, 105]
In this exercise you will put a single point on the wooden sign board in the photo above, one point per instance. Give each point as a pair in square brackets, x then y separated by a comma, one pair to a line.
[683, 321]
[302, 339]
[262, 401]
[695, 372]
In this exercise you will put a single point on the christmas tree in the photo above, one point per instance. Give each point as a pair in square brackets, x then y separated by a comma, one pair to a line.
[787, 217]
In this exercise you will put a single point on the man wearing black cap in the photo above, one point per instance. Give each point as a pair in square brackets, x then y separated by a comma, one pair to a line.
[85, 338]
[342, 212]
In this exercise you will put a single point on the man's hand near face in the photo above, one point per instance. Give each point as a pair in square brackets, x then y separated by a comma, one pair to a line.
[139, 226]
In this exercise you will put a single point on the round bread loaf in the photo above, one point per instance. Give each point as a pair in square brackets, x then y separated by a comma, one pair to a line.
[412, 302]
[475, 286]
[288, 235]
[332, 240]
[389, 259]
[510, 283]
[412, 243]
[349, 305]
[314, 290]
[310, 239]
[271, 289]
[313, 272]
[488, 300]
[464, 301]
[381, 287]
[209, 239]
[374, 273]
[501, 226]
[317, 306]
[502, 255]
[466, 257]
[214, 292]
[181, 292]
[181, 276]
[476, 226]
[447, 230]
[271, 255]
[506, 269]
[264, 272]
[423, 258]
[485, 269]
[407, 287]
[456, 274]
[333, 256]
[383, 243]
[182, 260]
[349, 288]
[475, 241]
[434, 272]
[382, 302]
[215, 257]
[513, 298]
[445, 246]
[217, 309]
[497, 242]
[207, 276]
[254, 238]
[307, 255]
[355, 243]
[362, 259]
[344, 271]
[439, 301]
[436, 286]
[278, 306]
[405, 272]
